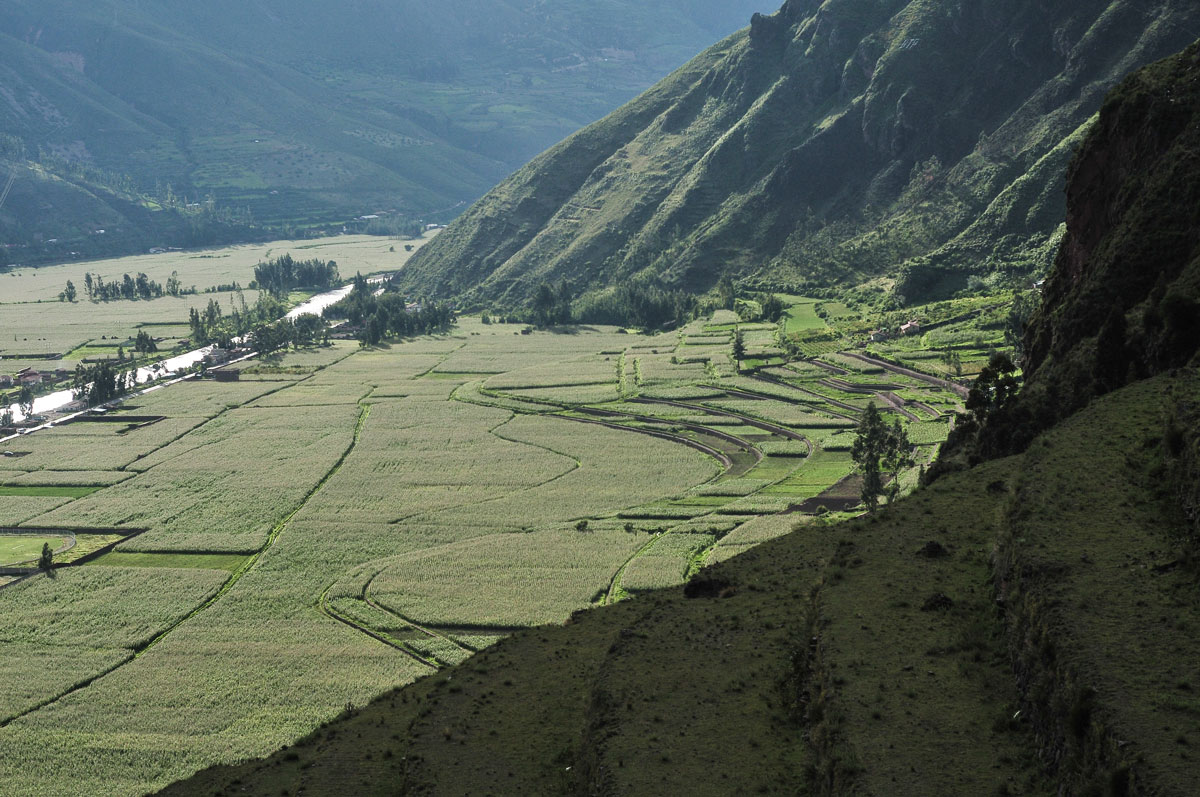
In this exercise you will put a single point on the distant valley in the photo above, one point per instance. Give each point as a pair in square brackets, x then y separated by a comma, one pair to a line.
[186, 124]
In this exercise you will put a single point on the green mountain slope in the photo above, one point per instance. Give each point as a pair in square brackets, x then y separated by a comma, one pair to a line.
[1026, 626]
[314, 111]
[834, 141]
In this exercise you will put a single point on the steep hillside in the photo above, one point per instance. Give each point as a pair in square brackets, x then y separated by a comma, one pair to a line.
[832, 142]
[315, 111]
[1122, 301]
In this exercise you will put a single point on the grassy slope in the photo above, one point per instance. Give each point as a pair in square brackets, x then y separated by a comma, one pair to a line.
[840, 658]
[828, 144]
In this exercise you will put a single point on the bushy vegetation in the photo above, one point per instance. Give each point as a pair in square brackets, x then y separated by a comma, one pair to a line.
[389, 314]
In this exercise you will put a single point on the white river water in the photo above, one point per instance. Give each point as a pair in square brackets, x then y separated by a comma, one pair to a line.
[53, 402]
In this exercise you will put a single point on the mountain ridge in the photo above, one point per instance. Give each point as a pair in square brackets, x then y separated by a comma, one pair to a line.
[837, 141]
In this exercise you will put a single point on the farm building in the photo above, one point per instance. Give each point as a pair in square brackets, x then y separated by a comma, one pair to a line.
[911, 328]
[28, 376]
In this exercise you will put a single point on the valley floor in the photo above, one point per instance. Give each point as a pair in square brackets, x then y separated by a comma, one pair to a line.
[341, 521]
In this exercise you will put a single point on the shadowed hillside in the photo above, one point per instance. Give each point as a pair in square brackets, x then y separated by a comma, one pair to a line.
[833, 142]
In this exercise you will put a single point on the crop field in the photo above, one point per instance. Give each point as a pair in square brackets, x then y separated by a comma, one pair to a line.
[752, 533]
[25, 547]
[38, 325]
[522, 579]
[346, 520]
[205, 269]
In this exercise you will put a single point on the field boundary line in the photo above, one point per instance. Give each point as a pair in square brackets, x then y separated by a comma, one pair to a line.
[327, 609]
[234, 578]
[428, 512]
[414, 625]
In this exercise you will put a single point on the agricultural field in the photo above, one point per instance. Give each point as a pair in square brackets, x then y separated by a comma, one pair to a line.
[205, 269]
[45, 333]
[344, 520]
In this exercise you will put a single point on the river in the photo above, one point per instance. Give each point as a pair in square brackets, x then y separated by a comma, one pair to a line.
[54, 402]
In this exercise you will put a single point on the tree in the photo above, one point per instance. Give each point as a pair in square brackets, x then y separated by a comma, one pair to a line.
[1023, 306]
[96, 384]
[726, 293]
[870, 445]
[25, 401]
[772, 308]
[70, 293]
[144, 344]
[953, 360]
[897, 456]
[307, 328]
[994, 389]
[739, 348]
[6, 416]
[46, 561]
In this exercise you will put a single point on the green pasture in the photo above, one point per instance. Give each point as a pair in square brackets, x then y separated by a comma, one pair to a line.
[23, 548]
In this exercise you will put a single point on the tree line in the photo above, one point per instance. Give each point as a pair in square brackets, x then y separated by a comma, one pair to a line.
[212, 326]
[642, 303]
[127, 288]
[285, 274]
[262, 325]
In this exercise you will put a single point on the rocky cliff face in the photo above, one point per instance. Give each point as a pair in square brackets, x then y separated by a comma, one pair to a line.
[833, 141]
[1123, 300]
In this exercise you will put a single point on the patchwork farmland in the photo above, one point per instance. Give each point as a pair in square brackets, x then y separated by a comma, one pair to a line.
[342, 520]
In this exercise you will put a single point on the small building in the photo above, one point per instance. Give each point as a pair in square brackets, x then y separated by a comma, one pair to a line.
[217, 356]
[28, 376]
[877, 335]
[911, 328]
